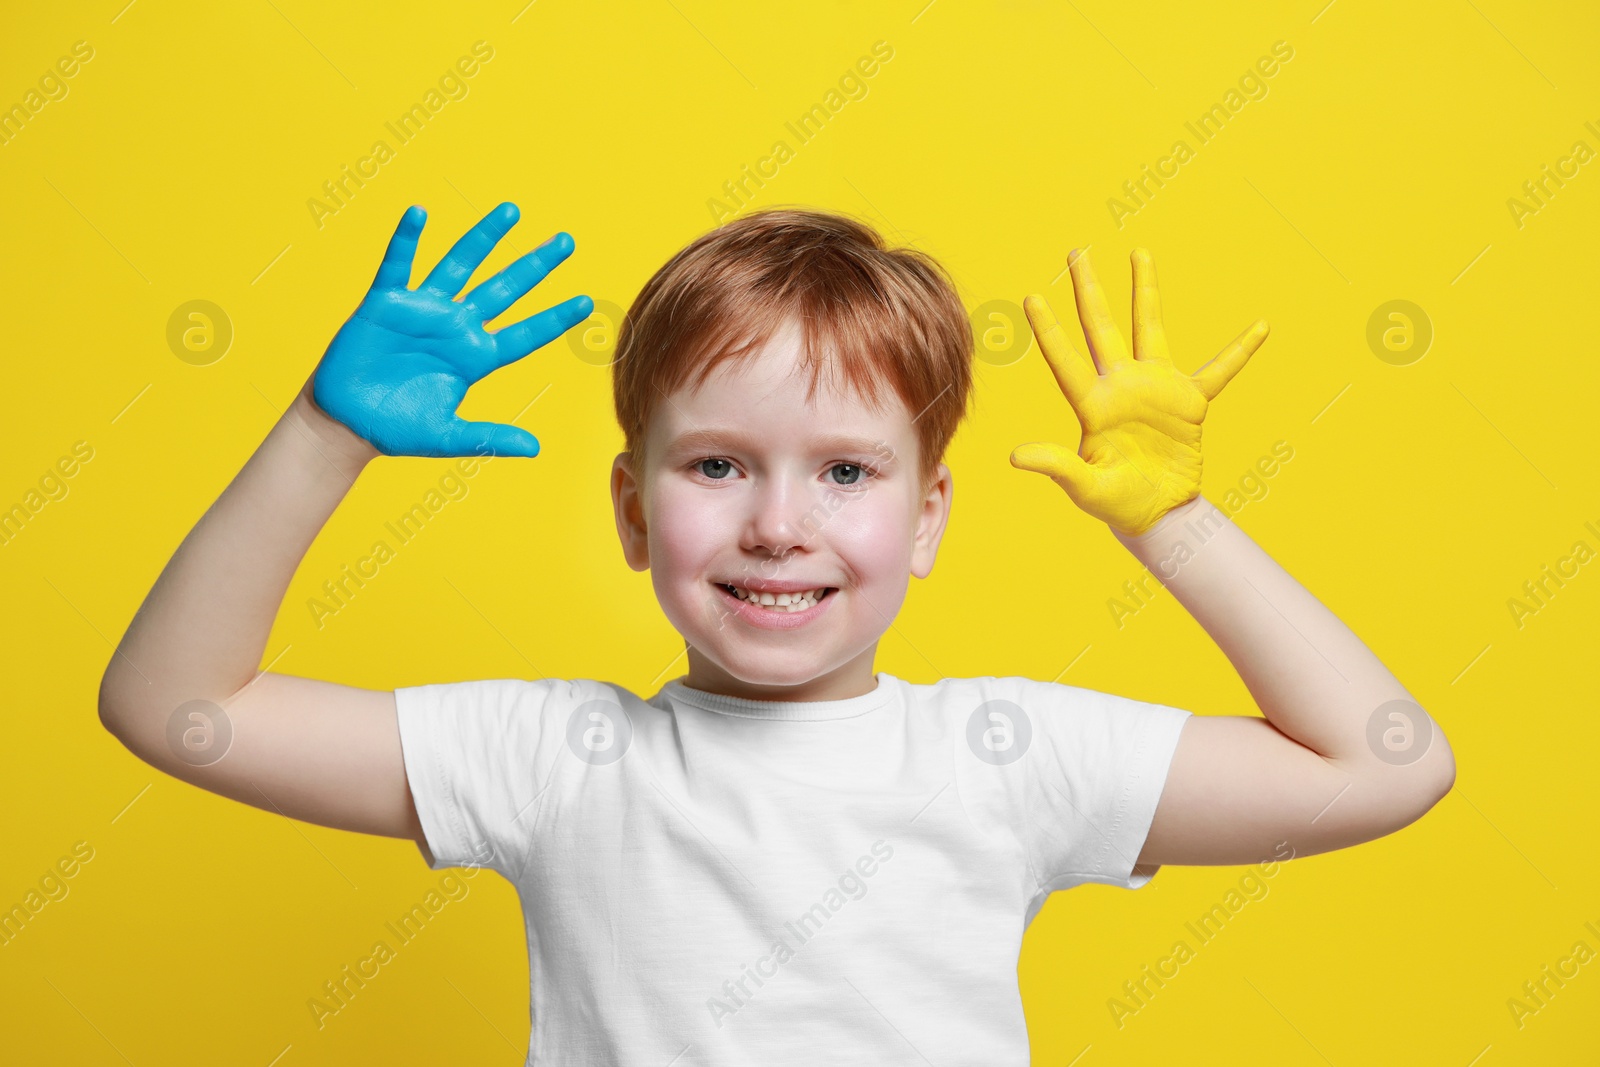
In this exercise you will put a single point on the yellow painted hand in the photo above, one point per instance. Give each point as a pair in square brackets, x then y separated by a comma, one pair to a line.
[1140, 453]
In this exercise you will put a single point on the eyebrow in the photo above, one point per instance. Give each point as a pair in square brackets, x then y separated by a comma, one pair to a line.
[712, 439]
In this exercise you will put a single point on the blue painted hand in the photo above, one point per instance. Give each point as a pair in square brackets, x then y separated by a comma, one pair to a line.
[399, 367]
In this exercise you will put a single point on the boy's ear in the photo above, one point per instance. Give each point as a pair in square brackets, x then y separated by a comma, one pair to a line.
[931, 523]
[627, 501]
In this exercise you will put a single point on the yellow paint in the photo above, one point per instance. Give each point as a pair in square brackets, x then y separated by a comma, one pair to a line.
[1141, 416]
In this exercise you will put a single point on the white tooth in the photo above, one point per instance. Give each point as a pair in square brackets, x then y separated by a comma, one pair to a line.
[781, 601]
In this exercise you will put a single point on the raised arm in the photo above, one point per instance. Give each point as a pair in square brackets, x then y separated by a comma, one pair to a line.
[1344, 754]
[182, 691]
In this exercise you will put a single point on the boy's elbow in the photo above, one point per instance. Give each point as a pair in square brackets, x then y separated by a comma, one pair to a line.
[112, 718]
[115, 702]
[105, 700]
[1396, 795]
[1447, 777]
[1447, 771]
[1443, 757]
[123, 719]
[1435, 776]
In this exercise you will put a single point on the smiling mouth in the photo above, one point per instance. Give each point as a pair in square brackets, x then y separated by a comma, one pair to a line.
[780, 603]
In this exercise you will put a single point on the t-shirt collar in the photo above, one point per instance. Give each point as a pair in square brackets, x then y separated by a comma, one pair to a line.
[790, 710]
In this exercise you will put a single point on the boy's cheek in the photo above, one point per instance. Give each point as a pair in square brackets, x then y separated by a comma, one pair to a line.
[688, 538]
[873, 539]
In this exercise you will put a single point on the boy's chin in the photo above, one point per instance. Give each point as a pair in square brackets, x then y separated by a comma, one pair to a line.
[763, 667]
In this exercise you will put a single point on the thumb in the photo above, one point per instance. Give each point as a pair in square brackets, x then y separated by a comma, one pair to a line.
[464, 438]
[1065, 466]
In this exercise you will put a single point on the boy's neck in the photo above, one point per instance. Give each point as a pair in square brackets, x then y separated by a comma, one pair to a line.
[853, 679]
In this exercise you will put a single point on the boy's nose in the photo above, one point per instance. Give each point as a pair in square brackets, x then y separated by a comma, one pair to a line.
[781, 517]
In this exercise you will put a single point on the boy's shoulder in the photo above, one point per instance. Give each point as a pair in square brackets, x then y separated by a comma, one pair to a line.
[519, 688]
[505, 700]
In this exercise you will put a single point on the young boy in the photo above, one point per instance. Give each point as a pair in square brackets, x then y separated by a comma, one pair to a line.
[781, 857]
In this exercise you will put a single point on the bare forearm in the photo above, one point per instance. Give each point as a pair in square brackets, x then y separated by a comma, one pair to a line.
[202, 628]
[1313, 678]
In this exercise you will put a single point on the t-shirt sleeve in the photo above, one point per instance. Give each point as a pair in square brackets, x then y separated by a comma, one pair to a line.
[477, 757]
[1095, 772]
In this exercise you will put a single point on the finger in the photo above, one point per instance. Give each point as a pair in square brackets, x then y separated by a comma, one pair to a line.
[536, 331]
[1219, 370]
[464, 438]
[1105, 340]
[395, 270]
[1080, 479]
[468, 253]
[1149, 334]
[1074, 373]
[497, 294]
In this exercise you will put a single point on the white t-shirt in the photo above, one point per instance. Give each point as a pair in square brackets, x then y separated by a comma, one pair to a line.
[709, 879]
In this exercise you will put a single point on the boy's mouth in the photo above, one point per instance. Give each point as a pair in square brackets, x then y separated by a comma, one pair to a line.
[779, 603]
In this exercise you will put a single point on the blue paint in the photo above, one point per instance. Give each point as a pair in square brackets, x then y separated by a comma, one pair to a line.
[399, 367]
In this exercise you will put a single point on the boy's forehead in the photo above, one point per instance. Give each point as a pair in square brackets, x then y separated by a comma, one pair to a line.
[765, 396]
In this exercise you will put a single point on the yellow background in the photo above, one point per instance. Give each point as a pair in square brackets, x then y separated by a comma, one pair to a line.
[1418, 500]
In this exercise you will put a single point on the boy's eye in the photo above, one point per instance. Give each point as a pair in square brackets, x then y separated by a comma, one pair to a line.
[852, 471]
[843, 473]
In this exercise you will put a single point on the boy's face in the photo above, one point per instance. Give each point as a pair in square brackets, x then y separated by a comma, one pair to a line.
[768, 493]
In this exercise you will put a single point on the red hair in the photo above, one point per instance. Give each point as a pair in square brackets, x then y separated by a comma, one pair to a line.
[876, 316]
